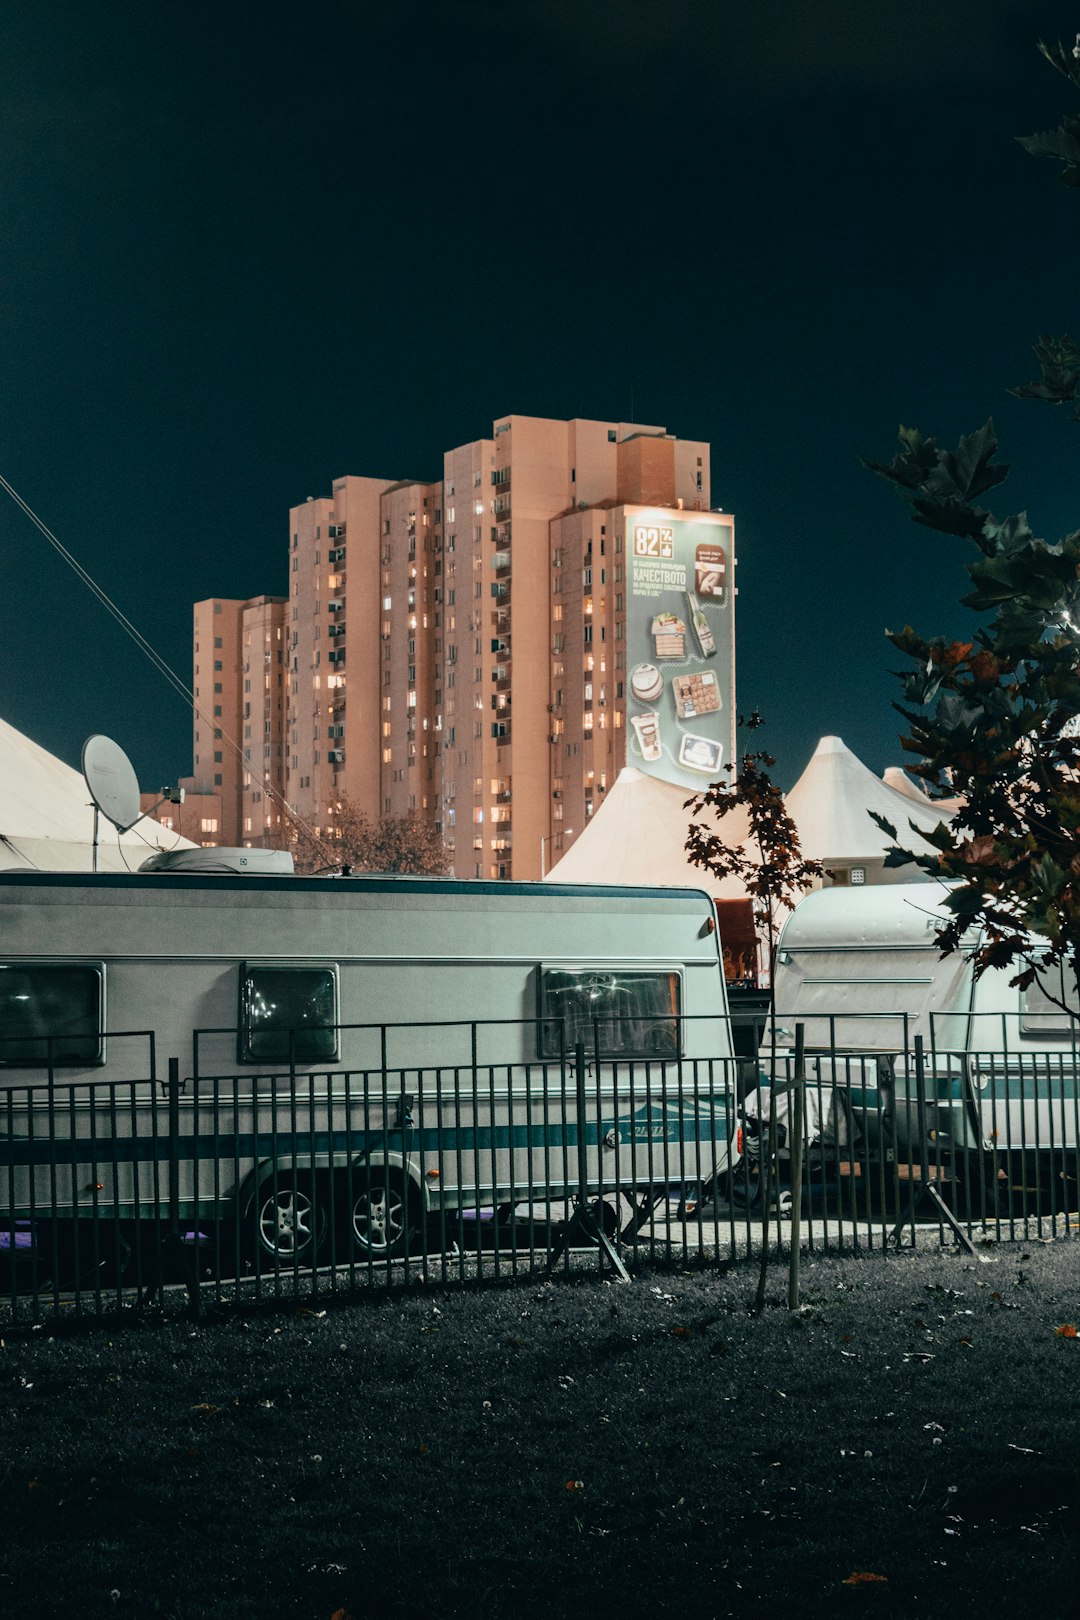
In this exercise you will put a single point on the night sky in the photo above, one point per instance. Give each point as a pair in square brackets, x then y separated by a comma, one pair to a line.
[247, 248]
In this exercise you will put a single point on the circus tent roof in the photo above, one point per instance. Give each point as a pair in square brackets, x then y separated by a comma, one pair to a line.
[831, 804]
[638, 836]
[47, 820]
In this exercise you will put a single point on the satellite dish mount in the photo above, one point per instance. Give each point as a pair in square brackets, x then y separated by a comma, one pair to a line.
[114, 787]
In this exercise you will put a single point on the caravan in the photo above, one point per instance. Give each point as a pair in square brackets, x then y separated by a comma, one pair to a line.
[317, 1059]
[974, 1073]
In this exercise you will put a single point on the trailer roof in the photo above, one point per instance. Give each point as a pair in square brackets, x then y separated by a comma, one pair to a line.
[371, 883]
[878, 917]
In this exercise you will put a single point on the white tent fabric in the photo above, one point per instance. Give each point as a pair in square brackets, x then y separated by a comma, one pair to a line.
[831, 800]
[896, 777]
[47, 821]
[638, 836]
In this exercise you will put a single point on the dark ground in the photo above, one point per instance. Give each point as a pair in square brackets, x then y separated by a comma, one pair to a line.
[907, 1445]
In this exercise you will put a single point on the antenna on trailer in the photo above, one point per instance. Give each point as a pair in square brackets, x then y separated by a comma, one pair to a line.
[113, 785]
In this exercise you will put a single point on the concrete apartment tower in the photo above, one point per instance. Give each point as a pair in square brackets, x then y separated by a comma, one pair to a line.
[361, 675]
[478, 650]
[237, 785]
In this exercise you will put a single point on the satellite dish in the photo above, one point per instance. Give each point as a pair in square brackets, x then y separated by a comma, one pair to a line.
[111, 778]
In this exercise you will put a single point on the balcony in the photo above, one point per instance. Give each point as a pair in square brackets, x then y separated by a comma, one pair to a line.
[500, 560]
[500, 590]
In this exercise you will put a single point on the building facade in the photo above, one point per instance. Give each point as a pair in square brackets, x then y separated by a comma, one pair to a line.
[473, 649]
[236, 792]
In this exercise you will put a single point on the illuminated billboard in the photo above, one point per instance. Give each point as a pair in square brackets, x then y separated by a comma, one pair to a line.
[680, 644]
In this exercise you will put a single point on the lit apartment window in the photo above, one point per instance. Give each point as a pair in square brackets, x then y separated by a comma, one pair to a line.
[208, 824]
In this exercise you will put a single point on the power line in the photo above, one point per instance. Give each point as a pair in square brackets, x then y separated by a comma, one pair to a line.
[175, 681]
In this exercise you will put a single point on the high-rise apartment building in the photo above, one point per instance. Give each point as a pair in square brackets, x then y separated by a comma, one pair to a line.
[238, 668]
[488, 649]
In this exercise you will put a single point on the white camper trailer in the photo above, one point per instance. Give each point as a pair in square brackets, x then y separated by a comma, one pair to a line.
[370, 1049]
[861, 971]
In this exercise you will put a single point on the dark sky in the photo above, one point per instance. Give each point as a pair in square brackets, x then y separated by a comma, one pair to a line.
[247, 248]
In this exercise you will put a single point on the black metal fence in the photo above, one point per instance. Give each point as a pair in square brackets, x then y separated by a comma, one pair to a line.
[225, 1187]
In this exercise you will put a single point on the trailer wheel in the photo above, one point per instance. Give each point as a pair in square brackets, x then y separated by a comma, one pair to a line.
[981, 1191]
[290, 1219]
[383, 1218]
[745, 1185]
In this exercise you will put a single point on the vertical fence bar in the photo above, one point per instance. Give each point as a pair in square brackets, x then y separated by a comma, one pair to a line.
[12, 1201]
[798, 1112]
[579, 1107]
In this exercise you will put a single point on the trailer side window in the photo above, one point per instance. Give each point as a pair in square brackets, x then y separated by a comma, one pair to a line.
[287, 1009]
[1041, 1009]
[52, 1011]
[625, 1014]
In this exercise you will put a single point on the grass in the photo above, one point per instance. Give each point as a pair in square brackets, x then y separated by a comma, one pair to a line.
[563, 1448]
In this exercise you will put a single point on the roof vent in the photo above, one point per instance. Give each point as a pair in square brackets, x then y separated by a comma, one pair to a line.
[231, 862]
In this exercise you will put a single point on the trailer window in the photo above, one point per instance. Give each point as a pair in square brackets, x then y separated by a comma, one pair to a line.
[49, 1012]
[288, 1011]
[625, 1014]
[1041, 1009]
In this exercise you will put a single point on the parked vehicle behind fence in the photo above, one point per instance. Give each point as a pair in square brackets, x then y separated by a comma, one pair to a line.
[999, 1111]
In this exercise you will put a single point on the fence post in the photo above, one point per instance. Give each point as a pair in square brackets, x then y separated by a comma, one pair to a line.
[920, 1110]
[582, 1150]
[584, 1224]
[168, 1242]
[174, 1149]
[798, 1112]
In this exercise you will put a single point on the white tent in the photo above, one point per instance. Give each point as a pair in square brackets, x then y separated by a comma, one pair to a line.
[47, 820]
[638, 836]
[895, 777]
[831, 802]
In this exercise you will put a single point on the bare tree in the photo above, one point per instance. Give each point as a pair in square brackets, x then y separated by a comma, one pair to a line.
[391, 844]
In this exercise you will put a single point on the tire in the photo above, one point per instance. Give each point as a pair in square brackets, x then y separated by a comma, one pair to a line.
[290, 1220]
[978, 1194]
[383, 1217]
[746, 1186]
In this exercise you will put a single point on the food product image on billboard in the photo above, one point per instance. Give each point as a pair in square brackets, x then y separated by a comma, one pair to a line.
[679, 644]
